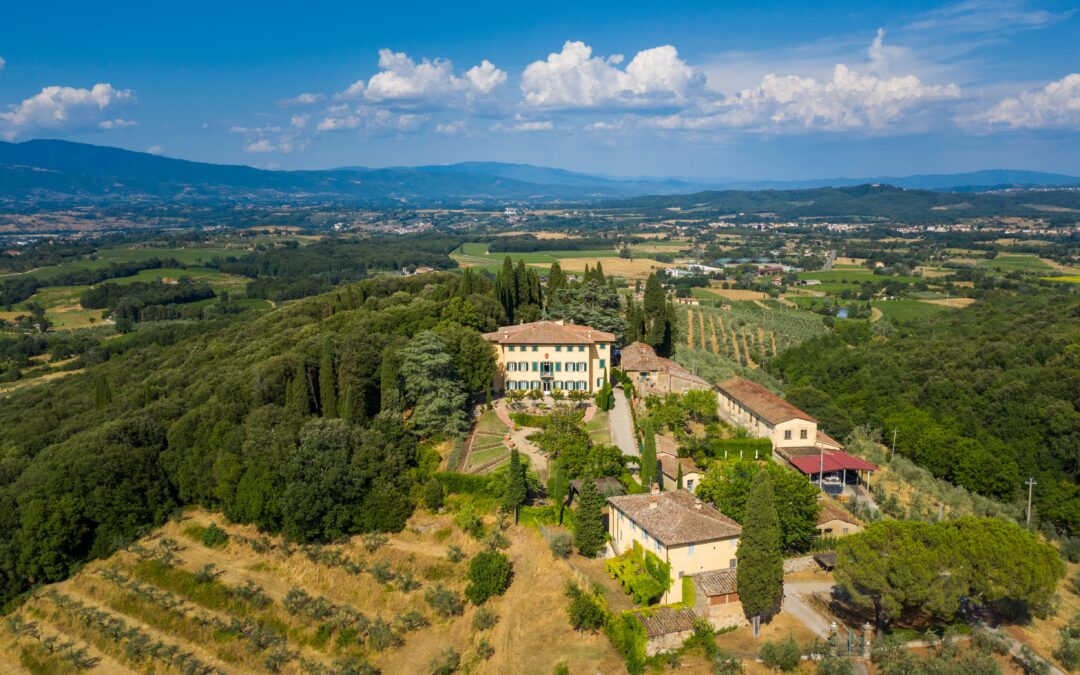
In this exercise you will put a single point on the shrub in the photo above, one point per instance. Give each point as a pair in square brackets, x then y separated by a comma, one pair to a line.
[448, 661]
[484, 650]
[469, 520]
[484, 619]
[433, 494]
[215, 537]
[561, 668]
[373, 541]
[1068, 652]
[783, 655]
[990, 641]
[726, 664]
[584, 612]
[444, 601]
[489, 574]
[1030, 663]
[381, 635]
[561, 545]
[455, 554]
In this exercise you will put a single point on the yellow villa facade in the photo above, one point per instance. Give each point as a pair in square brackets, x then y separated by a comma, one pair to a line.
[551, 356]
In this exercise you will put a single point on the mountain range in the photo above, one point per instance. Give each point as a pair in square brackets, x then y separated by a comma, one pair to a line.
[55, 171]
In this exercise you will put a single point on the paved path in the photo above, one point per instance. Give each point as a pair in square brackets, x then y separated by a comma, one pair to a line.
[802, 610]
[622, 425]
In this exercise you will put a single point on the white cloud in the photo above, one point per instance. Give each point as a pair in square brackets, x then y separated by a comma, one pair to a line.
[534, 126]
[986, 16]
[343, 118]
[262, 145]
[401, 81]
[1057, 105]
[574, 78]
[451, 128]
[118, 123]
[63, 108]
[299, 121]
[302, 99]
[156, 150]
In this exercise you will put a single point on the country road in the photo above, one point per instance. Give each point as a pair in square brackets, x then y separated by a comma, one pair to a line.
[622, 425]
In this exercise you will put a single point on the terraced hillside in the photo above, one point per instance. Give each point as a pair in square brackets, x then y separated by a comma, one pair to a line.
[254, 603]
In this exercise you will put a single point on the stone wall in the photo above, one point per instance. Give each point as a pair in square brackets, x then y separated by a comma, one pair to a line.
[800, 564]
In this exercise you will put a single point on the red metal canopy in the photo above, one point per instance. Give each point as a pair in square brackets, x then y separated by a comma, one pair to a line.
[835, 460]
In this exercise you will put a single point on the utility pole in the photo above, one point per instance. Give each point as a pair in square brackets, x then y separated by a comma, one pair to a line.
[1030, 483]
[893, 452]
[821, 465]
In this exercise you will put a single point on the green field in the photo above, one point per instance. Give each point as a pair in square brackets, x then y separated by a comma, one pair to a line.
[105, 257]
[906, 310]
[478, 255]
[1011, 263]
[219, 281]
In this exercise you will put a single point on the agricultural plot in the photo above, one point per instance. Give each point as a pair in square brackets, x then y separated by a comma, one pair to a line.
[906, 310]
[486, 448]
[254, 603]
[1012, 263]
[219, 281]
[748, 333]
[105, 257]
[477, 255]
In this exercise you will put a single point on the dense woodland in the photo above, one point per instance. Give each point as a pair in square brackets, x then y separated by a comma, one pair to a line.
[290, 420]
[983, 398]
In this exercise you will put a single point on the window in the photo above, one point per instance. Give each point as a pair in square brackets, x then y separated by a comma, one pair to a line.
[584, 385]
[787, 435]
[602, 347]
[689, 551]
[690, 484]
[536, 366]
[602, 366]
[581, 348]
[731, 563]
[535, 348]
[558, 366]
[510, 348]
[558, 348]
[802, 434]
[599, 381]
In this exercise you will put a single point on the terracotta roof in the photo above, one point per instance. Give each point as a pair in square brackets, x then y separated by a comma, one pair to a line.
[762, 402]
[667, 620]
[830, 460]
[678, 518]
[825, 439]
[831, 510]
[717, 582]
[548, 333]
[639, 356]
[670, 464]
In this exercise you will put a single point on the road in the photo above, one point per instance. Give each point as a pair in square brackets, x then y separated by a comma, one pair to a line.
[622, 425]
[801, 610]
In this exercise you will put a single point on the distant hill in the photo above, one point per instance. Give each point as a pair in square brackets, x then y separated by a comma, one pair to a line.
[873, 202]
[52, 171]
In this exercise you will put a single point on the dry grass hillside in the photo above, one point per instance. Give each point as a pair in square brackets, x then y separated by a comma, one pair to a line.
[157, 607]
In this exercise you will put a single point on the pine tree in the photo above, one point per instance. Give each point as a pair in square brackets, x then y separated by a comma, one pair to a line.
[648, 456]
[327, 384]
[679, 481]
[760, 570]
[515, 484]
[589, 533]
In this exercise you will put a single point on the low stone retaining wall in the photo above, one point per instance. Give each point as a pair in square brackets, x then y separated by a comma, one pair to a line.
[800, 564]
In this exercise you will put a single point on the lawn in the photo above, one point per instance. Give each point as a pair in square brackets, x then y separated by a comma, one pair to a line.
[906, 310]
[1010, 263]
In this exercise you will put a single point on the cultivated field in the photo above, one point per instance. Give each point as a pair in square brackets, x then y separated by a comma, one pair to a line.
[748, 333]
[478, 256]
[258, 604]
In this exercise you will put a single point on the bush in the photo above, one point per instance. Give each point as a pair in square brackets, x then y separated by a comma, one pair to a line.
[433, 494]
[484, 619]
[455, 554]
[489, 574]
[484, 650]
[448, 661]
[215, 537]
[561, 545]
[444, 601]
[561, 668]
[727, 664]
[1030, 663]
[990, 641]
[784, 655]
[1068, 652]
[469, 520]
[584, 612]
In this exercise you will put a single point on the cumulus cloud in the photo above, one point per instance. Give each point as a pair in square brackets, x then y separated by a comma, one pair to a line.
[118, 123]
[305, 98]
[299, 121]
[65, 108]
[574, 78]
[451, 128]
[403, 82]
[156, 149]
[344, 118]
[1055, 106]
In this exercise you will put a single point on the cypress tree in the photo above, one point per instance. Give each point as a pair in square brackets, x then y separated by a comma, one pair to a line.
[348, 413]
[648, 456]
[515, 484]
[327, 384]
[678, 481]
[556, 280]
[557, 487]
[296, 398]
[589, 533]
[599, 272]
[760, 571]
[605, 398]
[391, 398]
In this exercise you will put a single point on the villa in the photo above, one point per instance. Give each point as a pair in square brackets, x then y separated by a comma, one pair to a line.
[551, 356]
[692, 536]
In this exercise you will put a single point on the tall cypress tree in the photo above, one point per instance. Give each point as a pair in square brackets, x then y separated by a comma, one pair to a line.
[599, 272]
[556, 280]
[760, 571]
[679, 480]
[648, 456]
[515, 484]
[296, 397]
[327, 383]
[589, 533]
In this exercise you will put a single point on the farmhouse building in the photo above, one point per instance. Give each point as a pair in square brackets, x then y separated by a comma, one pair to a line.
[551, 356]
[653, 374]
[835, 520]
[670, 466]
[674, 526]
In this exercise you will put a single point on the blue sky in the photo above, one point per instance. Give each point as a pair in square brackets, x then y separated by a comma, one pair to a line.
[709, 89]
